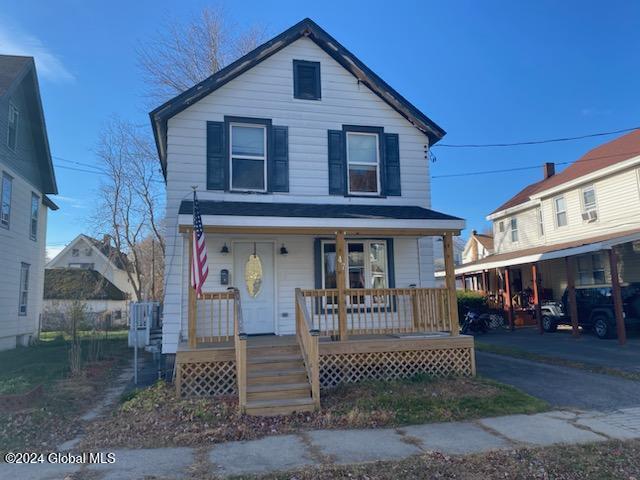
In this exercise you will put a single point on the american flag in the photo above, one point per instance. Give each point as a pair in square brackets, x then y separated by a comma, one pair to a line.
[199, 267]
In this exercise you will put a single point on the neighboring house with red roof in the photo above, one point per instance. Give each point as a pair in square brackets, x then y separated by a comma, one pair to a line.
[572, 219]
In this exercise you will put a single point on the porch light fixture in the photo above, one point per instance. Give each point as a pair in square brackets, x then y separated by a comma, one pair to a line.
[284, 251]
[224, 250]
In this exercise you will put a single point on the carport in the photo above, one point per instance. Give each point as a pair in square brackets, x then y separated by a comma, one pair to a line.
[521, 281]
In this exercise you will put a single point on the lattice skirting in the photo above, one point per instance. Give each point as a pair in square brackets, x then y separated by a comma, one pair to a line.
[206, 378]
[354, 367]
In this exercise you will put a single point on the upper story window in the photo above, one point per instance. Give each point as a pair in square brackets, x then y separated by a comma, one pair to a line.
[35, 209]
[363, 162]
[514, 229]
[306, 80]
[5, 200]
[589, 210]
[561, 211]
[248, 154]
[75, 252]
[540, 223]
[88, 251]
[12, 130]
[24, 289]
[501, 227]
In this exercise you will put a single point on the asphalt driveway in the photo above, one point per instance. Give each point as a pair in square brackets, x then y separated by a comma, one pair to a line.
[587, 348]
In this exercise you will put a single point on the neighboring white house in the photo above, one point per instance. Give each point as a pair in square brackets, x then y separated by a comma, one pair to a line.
[85, 252]
[102, 300]
[577, 224]
[26, 177]
[289, 146]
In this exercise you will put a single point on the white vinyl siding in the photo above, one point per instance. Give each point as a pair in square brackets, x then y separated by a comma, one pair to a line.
[15, 249]
[265, 91]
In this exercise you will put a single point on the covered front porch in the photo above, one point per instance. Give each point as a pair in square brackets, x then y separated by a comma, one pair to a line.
[388, 327]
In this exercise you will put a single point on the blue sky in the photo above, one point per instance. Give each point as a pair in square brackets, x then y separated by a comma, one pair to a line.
[485, 71]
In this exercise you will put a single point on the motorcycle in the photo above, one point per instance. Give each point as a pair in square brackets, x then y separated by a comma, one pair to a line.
[474, 323]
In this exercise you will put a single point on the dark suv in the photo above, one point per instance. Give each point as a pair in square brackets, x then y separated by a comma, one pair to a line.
[595, 310]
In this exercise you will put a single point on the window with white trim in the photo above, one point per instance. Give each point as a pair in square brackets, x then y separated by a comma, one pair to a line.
[12, 127]
[367, 264]
[560, 206]
[501, 227]
[24, 289]
[589, 208]
[35, 209]
[540, 223]
[591, 269]
[363, 163]
[514, 229]
[5, 200]
[248, 157]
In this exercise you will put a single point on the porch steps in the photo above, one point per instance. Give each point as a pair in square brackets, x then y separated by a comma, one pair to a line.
[277, 382]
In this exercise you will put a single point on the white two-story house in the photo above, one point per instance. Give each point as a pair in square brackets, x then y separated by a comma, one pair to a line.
[26, 177]
[313, 184]
[580, 228]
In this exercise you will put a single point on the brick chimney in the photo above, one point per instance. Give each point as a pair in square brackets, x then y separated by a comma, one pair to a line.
[549, 169]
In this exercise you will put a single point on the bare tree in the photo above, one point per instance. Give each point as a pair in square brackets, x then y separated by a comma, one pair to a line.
[151, 259]
[129, 199]
[183, 54]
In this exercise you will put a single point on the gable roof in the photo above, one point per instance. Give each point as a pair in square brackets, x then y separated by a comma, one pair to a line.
[13, 71]
[615, 151]
[306, 28]
[112, 254]
[79, 284]
[485, 240]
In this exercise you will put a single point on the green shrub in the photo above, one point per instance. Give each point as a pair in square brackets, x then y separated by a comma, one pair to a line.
[471, 300]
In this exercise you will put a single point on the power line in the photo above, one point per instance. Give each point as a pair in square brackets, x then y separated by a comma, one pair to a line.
[530, 167]
[532, 142]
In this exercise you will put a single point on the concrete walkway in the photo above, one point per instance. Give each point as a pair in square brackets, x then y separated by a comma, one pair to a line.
[287, 452]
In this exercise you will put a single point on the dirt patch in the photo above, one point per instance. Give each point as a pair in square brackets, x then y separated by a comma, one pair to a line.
[155, 417]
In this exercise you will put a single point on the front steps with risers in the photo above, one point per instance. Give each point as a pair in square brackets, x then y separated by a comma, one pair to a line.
[277, 382]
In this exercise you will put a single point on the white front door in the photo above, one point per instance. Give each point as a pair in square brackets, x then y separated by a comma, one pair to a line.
[254, 277]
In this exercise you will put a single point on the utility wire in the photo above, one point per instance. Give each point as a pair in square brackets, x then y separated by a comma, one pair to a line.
[532, 142]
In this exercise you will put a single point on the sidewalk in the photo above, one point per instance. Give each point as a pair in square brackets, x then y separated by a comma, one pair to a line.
[287, 452]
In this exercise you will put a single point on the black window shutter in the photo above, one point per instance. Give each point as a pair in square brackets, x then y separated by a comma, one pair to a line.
[278, 161]
[337, 163]
[392, 164]
[217, 165]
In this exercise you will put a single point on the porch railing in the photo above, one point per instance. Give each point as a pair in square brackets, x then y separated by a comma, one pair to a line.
[308, 340]
[380, 311]
[217, 317]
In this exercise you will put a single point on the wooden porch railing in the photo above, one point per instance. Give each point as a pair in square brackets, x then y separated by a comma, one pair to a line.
[308, 340]
[381, 311]
[240, 343]
[217, 317]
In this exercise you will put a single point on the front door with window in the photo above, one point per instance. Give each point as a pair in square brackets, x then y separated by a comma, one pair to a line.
[254, 277]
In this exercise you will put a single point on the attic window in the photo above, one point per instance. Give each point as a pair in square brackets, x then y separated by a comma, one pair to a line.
[306, 80]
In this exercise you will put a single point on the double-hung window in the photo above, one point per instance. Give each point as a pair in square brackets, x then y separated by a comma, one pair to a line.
[561, 211]
[12, 130]
[589, 208]
[514, 230]
[540, 223]
[24, 289]
[248, 154]
[363, 163]
[367, 264]
[5, 200]
[33, 224]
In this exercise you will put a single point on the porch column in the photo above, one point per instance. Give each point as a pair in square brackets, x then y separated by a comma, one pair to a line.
[485, 282]
[450, 281]
[571, 296]
[508, 304]
[464, 282]
[617, 297]
[341, 263]
[191, 316]
[535, 277]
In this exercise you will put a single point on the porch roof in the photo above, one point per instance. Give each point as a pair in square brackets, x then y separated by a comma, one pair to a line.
[549, 252]
[319, 218]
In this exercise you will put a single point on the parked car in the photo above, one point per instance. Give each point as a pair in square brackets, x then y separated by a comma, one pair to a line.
[595, 310]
